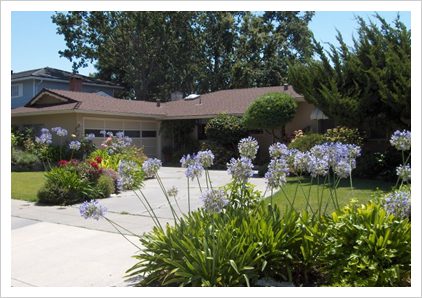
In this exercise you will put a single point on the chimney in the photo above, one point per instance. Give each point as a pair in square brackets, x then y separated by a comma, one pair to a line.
[158, 102]
[286, 86]
[75, 83]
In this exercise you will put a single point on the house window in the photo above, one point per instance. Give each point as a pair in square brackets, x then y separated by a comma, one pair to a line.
[128, 133]
[17, 90]
[149, 134]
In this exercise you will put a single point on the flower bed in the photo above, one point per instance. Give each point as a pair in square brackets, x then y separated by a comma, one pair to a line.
[239, 238]
[114, 167]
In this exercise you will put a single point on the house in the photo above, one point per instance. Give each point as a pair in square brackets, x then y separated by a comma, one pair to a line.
[83, 113]
[27, 84]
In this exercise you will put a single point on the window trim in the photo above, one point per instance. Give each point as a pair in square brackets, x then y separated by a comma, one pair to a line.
[20, 90]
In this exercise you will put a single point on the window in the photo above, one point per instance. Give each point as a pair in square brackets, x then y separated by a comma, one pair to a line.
[149, 134]
[17, 90]
[128, 133]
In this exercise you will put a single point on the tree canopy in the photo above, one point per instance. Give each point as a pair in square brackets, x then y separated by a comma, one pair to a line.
[271, 111]
[365, 86]
[153, 54]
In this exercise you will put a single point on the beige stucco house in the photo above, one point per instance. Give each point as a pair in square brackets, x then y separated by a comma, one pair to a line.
[82, 113]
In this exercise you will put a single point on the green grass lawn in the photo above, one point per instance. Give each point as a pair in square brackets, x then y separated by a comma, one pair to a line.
[25, 185]
[363, 190]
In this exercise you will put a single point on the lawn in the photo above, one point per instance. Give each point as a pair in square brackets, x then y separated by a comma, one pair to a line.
[25, 185]
[363, 189]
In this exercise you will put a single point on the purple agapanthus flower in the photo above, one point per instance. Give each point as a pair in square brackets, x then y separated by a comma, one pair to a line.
[90, 137]
[401, 140]
[75, 145]
[45, 137]
[278, 150]
[276, 175]
[241, 169]
[151, 167]
[214, 200]
[404, 172]
[205, 158]
[92, 209]
[61, 132]
[398, 203]
[248, 147]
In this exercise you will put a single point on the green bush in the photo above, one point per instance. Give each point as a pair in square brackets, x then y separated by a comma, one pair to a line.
[270, 111]
[23, 160]
[343, 135]
[222, 154]
[365, 246]
[225, 130]
[307, 141]
[233, 248]
[105, 186]
[65, 187]
[380, 165]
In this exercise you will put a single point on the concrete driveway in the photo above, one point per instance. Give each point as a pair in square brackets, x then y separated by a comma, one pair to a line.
[54, 246]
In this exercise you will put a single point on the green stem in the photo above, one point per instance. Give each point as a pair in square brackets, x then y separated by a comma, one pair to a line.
[149, 210]
[188, 196]
[287, 198]
[124, 236]
[199, 183]
[152, 210]
[167, 198]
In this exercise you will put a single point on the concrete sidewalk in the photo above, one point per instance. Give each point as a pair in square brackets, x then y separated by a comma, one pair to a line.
[55, 246]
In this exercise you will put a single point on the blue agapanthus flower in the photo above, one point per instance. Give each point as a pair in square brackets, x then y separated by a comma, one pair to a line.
[241, 169]
[61, 132]
[151, 167]
[92, 209]
[401, 140]
[276, 175]
[398, 203]
[278, 150]
[248, 147]
[214, 200]
[75, 145]
[205, 158]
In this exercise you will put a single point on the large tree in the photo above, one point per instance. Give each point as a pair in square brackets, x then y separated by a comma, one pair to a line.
[155, 53]
[151, 54]
[365, 86]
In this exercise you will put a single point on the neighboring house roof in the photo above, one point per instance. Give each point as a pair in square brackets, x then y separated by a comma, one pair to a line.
[71, 101]
[233, 102]
[49, 73]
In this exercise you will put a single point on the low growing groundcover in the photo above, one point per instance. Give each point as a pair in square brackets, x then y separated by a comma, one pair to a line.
[25, 185]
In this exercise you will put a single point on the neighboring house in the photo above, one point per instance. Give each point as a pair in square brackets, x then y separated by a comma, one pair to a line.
[82, 113]
[27, 84]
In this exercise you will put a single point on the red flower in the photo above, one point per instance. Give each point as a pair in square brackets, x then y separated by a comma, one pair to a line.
[94, 165]
[62, 163]
[98, 159]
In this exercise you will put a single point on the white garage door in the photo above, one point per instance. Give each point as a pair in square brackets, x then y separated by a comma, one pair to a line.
[143, 133]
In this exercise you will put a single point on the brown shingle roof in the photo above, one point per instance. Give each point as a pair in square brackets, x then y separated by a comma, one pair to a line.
[233, 101]
[92, 102]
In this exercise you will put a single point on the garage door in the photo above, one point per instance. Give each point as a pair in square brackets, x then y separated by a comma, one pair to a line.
[143, 133]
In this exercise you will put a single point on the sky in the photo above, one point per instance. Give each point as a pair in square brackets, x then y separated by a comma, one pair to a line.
[35, 42]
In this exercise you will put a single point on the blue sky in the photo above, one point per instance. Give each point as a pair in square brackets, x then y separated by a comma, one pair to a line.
[35, 42]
